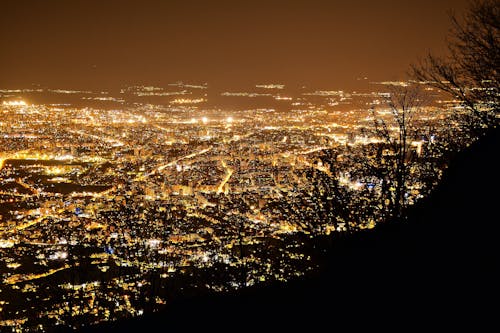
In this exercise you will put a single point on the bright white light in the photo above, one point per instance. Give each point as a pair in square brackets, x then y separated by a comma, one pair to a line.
[5, 243]
[58, 255]
[204, 120]
[14, 103]
[153, 243]
[229, 119]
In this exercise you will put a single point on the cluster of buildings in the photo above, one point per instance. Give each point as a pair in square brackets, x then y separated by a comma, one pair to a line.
[107, 213]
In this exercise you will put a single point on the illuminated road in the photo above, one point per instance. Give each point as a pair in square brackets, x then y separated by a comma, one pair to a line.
[172, 163]
[97, 137]
[28, 187]
[229, 173]
[5, 157]
[161, 167]
[28, 224]
[29, 277]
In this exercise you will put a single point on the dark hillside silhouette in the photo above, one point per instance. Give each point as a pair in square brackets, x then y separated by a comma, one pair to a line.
[436, 271]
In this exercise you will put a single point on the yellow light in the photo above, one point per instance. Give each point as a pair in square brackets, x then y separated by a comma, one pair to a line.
[14, 103]
[229, 119]
[204, 120]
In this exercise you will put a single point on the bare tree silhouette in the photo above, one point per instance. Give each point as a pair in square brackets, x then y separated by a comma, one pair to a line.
[471, 72]
[396, 129]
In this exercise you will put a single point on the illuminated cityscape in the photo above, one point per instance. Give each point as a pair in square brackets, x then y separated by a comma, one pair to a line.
[105, 208]
[218, 165]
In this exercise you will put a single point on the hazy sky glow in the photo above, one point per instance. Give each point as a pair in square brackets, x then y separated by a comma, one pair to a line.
[95, 44]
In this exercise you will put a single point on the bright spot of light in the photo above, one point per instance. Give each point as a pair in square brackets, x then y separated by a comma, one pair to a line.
[58, 255]
[204, 120]
[229, 119]
[14, 103]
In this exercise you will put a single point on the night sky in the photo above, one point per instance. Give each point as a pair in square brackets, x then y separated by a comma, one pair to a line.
[104, 44]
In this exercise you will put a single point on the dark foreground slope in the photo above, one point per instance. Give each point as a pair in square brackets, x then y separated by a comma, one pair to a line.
[437, 270]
